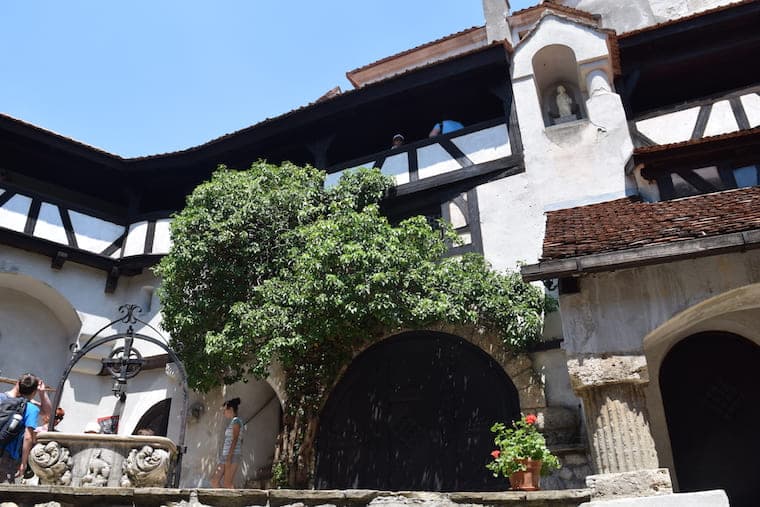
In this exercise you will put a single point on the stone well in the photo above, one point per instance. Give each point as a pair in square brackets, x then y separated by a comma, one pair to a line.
[94, 460]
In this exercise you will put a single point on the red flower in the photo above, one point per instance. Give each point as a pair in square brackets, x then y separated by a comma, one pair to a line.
[531, 419]
[495, 453]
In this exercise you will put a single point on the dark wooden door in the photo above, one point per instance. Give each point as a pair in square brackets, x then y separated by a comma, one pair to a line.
[710, 384]
[413, 413]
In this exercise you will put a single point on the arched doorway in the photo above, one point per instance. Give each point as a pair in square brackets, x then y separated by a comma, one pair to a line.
[414, 413]
[709, 384]
[156, 418]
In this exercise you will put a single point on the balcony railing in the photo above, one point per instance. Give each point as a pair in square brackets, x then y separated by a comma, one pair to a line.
[730, 112]
[473, 145]
[52, 224]
[58, 223]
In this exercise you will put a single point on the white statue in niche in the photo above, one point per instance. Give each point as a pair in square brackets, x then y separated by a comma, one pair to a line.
[564, 102]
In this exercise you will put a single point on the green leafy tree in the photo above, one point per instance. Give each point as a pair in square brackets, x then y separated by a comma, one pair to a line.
[268, 266]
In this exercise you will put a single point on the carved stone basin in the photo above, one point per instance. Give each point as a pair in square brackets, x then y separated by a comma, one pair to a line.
[93, 460]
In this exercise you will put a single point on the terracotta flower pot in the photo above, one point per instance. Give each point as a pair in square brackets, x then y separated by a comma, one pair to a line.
[527, 480]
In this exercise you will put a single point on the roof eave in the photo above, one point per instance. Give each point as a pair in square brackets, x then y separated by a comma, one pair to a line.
[642, 256]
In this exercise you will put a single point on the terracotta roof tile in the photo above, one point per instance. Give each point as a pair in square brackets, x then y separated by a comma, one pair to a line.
[685, 18]
[322, 100]
[558, 8]
[416, 48]
[329, 96]
[628, 223]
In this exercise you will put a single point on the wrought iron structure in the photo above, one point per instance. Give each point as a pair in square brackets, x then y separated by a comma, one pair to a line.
[125, 362]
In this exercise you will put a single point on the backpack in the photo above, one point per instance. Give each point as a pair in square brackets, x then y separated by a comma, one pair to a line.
[11, 411]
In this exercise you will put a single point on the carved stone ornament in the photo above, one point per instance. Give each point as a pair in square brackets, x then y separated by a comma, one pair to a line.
[51, 463]
[147, 467]
[98, 471]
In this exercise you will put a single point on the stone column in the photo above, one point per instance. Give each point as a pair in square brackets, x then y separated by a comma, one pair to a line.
[621, 445]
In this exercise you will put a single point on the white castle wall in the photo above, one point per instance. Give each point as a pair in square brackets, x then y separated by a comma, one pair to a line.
[43, 311]
[635, 14]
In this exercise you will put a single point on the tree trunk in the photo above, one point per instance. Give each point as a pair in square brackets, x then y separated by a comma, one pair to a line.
[295, 447]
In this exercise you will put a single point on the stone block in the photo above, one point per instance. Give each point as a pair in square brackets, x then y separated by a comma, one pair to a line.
[530, 390]
[559, 425]
[714, 498]
[638, 483]
[591, 371]
[515, 365]
[283, 497]
[359, 496]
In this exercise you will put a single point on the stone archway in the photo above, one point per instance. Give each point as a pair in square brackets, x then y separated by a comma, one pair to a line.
[709, 392]
[413, 412]
[735, 311]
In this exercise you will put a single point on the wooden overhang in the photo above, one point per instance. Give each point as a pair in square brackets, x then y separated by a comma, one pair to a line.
[689, 58]
[351, 124]
[52, 168]
[741, 148]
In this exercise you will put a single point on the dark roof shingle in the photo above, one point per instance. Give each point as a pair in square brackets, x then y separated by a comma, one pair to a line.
[629, 223]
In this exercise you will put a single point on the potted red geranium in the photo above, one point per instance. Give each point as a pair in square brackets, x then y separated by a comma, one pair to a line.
[521, 454]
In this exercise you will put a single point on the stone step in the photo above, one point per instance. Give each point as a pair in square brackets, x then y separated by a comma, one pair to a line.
[23, 495]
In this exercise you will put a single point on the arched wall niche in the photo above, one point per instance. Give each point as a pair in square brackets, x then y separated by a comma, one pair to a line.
[48, 296]
[558, 85]
[736, 311]
[37, 324]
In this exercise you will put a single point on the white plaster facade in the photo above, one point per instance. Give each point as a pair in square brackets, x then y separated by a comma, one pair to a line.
[44, 311]
[634, 311]
[636, 14]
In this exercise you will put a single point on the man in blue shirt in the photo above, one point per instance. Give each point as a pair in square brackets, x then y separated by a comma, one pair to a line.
[15, 454]
[444, 127]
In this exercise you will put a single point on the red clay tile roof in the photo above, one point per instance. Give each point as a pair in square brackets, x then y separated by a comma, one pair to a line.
[558, 8]
[685, 18]
[416, 48]
[628, 223]
[267, 121]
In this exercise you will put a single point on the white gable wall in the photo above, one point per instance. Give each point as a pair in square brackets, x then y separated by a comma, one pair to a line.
[566, 165]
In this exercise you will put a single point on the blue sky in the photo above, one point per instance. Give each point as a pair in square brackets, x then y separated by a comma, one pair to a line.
[149, 76]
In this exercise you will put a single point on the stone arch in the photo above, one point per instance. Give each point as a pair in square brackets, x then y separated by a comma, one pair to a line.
[302, 427]
[518, 367]
[735, 311]
[405, 397]
[708, 383]
[37, 325]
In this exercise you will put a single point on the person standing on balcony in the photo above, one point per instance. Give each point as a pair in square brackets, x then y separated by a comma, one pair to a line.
[444, 127]
[398, 140]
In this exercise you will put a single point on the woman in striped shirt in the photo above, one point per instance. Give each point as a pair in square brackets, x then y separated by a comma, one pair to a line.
[229, 458]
